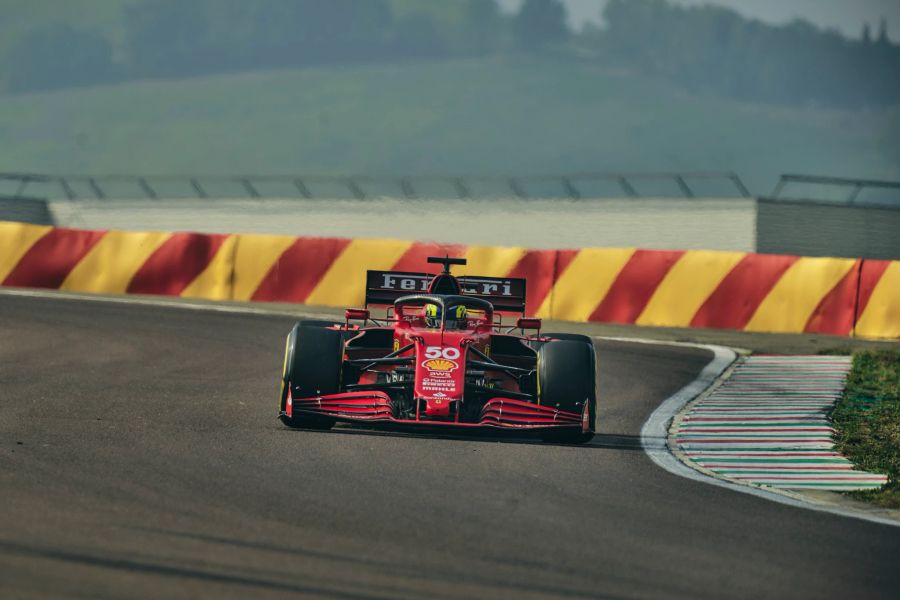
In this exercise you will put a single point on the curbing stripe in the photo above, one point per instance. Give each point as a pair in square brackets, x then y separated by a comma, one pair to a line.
[751, 415]
[677, 462]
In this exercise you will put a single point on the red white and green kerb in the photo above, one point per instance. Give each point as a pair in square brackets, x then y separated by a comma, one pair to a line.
[767, 424]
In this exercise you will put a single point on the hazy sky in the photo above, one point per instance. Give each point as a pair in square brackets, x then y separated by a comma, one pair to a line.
[846, 16]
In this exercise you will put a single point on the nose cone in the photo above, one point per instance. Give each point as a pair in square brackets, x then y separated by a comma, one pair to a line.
[440, 373]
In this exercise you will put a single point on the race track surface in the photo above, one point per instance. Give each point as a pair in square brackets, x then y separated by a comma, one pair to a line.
[140, 457]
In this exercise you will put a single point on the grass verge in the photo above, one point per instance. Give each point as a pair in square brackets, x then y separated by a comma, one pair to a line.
[867, 421]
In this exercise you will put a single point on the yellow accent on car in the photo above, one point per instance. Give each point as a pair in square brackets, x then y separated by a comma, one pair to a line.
[287, 347]
[440, 364]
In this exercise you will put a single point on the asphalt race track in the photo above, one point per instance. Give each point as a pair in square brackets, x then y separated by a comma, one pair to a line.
[140, 457]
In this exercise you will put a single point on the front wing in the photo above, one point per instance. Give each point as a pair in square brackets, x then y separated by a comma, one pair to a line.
[498, 413]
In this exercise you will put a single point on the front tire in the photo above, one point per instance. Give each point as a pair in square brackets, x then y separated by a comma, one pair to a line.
[567, 381]
[571, 337]
[312, 367]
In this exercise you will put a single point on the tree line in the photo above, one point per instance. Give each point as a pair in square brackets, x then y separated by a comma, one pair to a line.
[705, 49]
[709, 48]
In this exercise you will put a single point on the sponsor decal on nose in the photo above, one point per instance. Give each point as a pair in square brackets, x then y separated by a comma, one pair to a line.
[441, 365]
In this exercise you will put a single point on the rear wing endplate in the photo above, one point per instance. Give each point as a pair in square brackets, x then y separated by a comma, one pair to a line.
[507, 294]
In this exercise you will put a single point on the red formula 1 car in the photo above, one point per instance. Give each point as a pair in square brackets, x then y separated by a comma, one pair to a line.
[440, 357]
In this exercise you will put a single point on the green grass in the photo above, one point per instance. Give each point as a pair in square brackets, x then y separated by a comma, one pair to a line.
[867, 420]
[487, 116]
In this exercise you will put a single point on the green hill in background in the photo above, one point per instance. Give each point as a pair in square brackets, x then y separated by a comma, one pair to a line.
[474, 116]
[103, 16]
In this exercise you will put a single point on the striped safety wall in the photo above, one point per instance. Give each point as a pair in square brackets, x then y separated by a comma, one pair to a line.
[732, 290]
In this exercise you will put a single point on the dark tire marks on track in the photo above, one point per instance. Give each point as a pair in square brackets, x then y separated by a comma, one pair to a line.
[140, 457]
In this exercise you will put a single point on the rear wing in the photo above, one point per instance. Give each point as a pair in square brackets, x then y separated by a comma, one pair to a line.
[507, 294]
[384, 287]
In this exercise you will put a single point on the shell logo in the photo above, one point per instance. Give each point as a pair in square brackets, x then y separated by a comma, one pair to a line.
[440, 364]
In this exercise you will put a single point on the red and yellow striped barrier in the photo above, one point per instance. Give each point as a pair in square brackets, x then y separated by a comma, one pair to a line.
[732, 290]
[117, 262]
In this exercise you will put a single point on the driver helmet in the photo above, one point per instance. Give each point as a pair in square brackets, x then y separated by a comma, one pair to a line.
[456, 316]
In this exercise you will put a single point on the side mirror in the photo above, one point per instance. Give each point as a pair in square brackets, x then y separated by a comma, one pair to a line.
[524, 323]
[356, 314]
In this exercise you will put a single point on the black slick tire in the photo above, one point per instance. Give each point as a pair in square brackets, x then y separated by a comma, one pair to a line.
[566, 380]
[318, 323]
[570, 337]
[312, 367]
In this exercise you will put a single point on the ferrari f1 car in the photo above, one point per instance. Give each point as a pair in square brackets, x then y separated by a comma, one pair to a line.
[440, 357]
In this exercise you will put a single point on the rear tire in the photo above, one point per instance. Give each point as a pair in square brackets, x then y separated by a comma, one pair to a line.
[312, 367]
[318, 323]
[566, 380]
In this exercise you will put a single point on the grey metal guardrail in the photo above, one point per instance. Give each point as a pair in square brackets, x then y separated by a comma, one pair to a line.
[820, 188]
[574, 185]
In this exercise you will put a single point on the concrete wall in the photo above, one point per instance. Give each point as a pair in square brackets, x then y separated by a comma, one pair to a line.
[815, 229]
[723, 224]
[25, 210]
[746, 225]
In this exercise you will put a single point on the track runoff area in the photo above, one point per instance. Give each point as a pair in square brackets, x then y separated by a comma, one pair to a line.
[142, 457]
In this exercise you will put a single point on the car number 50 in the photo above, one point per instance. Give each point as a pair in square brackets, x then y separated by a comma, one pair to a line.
[438, 352]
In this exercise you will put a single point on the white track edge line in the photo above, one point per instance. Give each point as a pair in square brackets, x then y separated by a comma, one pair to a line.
[654, 429]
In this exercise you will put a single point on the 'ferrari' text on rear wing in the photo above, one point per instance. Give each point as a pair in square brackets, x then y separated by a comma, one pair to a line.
[505, 293]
